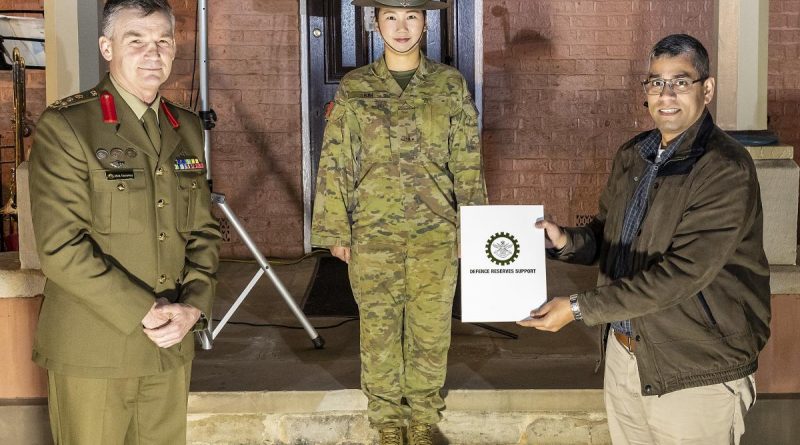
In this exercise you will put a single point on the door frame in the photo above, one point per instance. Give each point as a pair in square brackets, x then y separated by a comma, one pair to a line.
[305, 112]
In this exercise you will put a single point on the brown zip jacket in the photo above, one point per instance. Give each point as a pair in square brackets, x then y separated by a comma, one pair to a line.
[698, 297]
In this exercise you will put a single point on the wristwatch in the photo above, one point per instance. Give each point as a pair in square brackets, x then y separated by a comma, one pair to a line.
[202, 323]
[576, 308]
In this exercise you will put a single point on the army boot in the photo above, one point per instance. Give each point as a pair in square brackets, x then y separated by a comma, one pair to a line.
[391, 435]
[420, 434]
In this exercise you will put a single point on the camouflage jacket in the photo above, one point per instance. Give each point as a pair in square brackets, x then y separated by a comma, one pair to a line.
[397, 164]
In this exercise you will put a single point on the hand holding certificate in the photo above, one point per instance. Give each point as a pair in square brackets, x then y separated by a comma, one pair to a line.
[558, 312]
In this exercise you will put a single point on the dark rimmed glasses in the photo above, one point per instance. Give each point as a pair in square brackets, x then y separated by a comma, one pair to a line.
[678, 85]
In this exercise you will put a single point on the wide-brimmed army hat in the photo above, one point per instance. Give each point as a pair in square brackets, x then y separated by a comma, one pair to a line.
[409, 4]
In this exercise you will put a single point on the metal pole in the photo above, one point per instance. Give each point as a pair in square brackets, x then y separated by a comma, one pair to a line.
[237, 303]
[208, 117]
[206, 113]
[204, 337]
[219, 199]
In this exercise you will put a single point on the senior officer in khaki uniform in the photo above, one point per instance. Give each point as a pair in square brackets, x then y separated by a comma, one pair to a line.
[126, 239]
[401, 152]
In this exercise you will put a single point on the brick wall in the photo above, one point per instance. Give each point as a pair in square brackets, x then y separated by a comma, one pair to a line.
[35, 105]
[783, 106]
[254, 61]
[561, 93]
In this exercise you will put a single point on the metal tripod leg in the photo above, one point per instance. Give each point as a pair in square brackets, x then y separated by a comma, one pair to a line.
[205, 341]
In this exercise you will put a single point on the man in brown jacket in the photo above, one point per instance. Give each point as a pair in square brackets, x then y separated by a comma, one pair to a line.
[684, 281]
[126, 239]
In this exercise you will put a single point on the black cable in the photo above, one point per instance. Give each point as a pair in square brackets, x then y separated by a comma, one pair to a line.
[284, 326]
[279, 261]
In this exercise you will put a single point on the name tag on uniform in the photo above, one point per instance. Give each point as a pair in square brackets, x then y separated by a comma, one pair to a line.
[369, 95]
[119, 174]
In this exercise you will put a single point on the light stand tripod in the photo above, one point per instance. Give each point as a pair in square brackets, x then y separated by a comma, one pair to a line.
[208, 116]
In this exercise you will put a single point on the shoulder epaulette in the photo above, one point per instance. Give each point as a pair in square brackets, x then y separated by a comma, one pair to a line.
[177, 105]
[75, 99]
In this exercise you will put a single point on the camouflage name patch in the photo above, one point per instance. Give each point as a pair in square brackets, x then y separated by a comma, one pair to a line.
[370, 95]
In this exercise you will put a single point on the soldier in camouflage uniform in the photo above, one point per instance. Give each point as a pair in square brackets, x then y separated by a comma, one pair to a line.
[401, 152]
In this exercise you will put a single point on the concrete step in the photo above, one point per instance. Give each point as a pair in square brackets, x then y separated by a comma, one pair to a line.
[338, 417]
[496, 417]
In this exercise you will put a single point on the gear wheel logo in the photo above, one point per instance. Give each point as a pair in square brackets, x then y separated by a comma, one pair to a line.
[502, 248]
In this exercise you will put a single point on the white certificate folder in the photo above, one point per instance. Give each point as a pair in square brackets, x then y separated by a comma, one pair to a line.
[502, 262]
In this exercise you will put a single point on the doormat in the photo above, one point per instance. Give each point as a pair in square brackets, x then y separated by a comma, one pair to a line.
[329, 294]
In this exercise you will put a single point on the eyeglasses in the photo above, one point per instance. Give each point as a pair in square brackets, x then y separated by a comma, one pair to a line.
[678, 85]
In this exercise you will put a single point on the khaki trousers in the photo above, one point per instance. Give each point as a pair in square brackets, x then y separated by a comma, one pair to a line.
[706, 415]
[147, 410]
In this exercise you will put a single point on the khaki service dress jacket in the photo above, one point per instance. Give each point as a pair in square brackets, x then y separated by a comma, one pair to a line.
[118, 223]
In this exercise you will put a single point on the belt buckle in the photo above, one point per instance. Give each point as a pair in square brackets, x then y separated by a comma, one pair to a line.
[625, 341]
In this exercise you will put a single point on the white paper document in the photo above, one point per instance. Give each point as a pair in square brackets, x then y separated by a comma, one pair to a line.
[502, 262]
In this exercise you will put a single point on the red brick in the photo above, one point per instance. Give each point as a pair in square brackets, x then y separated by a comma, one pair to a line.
[579, 82]
[561, 7]
[530, 165]
[549, 66]
[613, 36]
[585, 6]
[614, 6]
[531, 195]
[590, 21]
[588, 50]
[559, 165]
[595, 66]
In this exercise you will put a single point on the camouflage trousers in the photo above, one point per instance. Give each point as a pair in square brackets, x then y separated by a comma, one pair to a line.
[405, 300]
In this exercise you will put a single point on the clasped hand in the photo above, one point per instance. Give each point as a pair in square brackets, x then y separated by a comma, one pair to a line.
[167, 323]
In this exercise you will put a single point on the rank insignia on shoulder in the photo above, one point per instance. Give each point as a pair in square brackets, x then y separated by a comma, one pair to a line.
[75, 99]
[188, 163]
